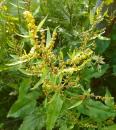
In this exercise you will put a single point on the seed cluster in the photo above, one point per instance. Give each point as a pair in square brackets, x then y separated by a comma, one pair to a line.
[43, 40]
[27, 4]
[31, 27]
[52, 42]
[79, 58]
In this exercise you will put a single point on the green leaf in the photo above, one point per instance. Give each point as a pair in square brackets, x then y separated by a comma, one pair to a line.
[101, 72]
[113, 127]
[109, 101]
[25, 72]
[3, 68]
[96, 110]
[49, 38]
[22, 108]
[41, 24]
[38, 84]
[103, 38]
[102, 43]
[94, 72]
[17, 62]
[34, 121]
[37, 9]
[24, 87]
[53, 110]
[25, 103]
[76, 104]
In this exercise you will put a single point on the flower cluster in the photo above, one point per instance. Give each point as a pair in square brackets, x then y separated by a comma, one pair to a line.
[43, 40]
[31, 27]
[54, 37]
[27, 4]
[81, 57]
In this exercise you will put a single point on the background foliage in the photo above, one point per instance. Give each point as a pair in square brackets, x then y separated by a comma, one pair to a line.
[59, 71]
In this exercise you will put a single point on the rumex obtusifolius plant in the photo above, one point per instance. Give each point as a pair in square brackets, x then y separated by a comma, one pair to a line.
[61, 84]
[55, 91]
[46, 57]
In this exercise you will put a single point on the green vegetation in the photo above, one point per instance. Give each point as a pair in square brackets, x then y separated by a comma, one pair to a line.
[57, 65]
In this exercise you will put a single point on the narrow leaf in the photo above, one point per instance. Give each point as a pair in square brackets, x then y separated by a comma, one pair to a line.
[48, 38]
[53, 111]
[108, 99]
[17, 62]
[33, 121]
[41, 24]
[37, 84]
[76, 104]
[24, 87]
